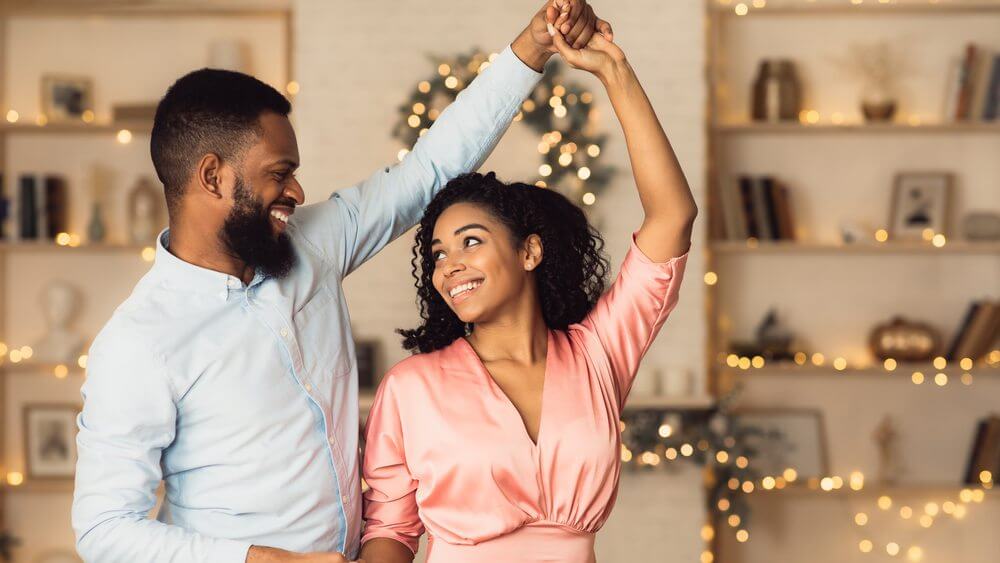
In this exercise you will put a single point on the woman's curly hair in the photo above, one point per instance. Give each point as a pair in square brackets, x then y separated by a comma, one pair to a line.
[570, 278]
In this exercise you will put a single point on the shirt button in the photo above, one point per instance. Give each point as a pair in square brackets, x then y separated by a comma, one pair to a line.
[343, 499]
[284, 333]
[308, 387]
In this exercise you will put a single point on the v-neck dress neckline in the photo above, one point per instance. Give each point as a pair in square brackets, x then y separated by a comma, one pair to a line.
[505, 398]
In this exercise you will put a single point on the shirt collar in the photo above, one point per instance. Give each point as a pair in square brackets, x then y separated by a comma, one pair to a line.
[178, 274]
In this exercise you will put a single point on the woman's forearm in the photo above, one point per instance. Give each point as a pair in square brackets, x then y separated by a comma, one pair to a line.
[667, 201]
[385, 550]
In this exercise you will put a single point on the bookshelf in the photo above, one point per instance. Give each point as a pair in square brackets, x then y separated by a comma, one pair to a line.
[840, 168]
[78, 144]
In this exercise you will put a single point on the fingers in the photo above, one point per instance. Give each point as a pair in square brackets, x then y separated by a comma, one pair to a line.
[552, 13]
[564, 48]
[586, 31]
[573, 10]
[605, 29]
[564, 12]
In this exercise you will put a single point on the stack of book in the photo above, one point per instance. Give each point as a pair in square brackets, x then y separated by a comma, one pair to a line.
[977, 333]
[756, 207]
[974, 86]
[985, 452]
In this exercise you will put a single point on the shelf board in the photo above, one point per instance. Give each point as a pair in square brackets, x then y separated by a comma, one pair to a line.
[871, 7]
[42, 247]
[136, 8]
[903, 370]
[635, 402]
[905, 490]
[74, 128]
[897, 247]
[36, 369]
[43, 486]
[751, 128]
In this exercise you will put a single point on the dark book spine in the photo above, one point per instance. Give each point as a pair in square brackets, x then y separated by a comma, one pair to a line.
[28, 208]
[992, 109]
[56, 206]
[746, 206]
[760, 210]
[770, 186]
[4, 207]
[963, 328]
[977, 444]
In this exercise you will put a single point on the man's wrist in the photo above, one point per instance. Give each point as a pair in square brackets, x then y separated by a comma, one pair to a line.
[531, 53]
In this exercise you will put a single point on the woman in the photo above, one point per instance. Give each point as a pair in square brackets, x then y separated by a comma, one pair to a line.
[501, 437]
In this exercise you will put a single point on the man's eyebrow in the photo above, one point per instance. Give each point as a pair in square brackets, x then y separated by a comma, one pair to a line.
[286, 161]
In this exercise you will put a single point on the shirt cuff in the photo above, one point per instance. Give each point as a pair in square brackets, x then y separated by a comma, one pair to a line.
[510, 73]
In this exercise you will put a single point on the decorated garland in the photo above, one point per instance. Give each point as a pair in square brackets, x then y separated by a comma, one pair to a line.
[561, 113]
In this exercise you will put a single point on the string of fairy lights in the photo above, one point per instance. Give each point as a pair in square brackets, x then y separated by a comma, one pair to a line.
[714, 439]
[560, 112]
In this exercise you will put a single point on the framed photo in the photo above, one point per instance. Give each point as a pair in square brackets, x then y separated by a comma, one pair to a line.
[920, 201]
[786, 438]
[50, 440]
[66, 98]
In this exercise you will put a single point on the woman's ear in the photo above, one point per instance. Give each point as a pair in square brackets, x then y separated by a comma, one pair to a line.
[533, 251]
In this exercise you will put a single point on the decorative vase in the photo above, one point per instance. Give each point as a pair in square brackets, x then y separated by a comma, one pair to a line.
[96, 230]
[877, 104]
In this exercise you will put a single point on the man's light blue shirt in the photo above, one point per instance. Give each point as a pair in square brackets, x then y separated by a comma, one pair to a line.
[243, 399]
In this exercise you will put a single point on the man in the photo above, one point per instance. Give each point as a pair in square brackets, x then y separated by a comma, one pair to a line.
[229, 373]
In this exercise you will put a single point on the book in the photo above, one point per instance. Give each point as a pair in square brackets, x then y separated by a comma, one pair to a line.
[979, 341]
[980, 325]
[770, 185]
[950, 108]
[732, 206]
[966, 83]
[986, 452]
[980, 84]
[960, 334]
[991, 111]
[27, 208]
[758, 192]
[746, 207]
[977, 445]
[783, 204]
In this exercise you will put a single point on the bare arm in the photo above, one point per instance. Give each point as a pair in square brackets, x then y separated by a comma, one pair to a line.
[385, 550]
[667, 202]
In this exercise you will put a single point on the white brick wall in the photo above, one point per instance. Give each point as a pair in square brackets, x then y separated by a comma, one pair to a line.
[357, 61]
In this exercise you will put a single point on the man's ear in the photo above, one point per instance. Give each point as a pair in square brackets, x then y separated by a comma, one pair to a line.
[533, 252]
[208, 178]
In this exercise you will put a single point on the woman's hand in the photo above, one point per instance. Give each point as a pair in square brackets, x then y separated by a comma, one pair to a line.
[600, 56]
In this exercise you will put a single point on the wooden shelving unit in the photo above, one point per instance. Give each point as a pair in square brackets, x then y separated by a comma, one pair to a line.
[793, 128]
[845, 7]
[19, 128]
[728, 138]
[732, 248]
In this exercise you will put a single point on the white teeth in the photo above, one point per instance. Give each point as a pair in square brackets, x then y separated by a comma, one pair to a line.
[279, 216]
[464, 287]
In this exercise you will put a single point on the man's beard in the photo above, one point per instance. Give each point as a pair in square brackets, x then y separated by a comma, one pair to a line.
[248, 234]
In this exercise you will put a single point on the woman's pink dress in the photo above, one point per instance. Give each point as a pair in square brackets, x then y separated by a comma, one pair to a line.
[447, 451]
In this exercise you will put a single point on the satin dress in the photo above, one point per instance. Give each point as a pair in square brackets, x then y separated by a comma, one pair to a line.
[447, 452]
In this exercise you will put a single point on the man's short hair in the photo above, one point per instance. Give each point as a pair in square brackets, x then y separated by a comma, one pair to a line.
[207, 111]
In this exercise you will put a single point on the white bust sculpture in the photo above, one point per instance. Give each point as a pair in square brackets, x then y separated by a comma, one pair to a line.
[60, 345]
[145, 219]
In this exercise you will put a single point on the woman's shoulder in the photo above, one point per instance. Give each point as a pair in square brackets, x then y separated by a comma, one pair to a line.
[421, 367]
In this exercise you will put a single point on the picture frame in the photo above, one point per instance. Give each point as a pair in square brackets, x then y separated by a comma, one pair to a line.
[66, 98]
[787, 438]
[50, 440]
[920, 201]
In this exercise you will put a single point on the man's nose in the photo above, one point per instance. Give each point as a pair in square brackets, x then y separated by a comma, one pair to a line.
[293, 191]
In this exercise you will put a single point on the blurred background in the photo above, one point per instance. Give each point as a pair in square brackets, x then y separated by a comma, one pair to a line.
[828, 389]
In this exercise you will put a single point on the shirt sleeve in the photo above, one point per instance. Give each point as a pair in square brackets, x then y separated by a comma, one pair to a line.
[629, 315]
[128, 419]
[357, 222]
[390, 503]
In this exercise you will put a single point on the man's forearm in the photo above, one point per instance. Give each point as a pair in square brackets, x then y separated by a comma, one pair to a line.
[529, 51]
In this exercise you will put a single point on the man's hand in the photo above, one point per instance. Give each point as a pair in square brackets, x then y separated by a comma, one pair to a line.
[259, 554]
[576, 20]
